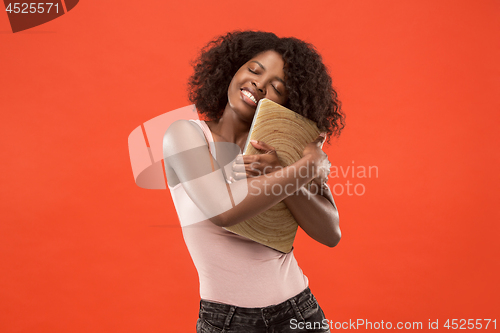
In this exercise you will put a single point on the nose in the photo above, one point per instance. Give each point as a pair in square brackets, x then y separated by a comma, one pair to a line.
[259, 87]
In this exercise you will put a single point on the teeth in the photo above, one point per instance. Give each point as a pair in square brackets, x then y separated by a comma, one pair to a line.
[249, 95]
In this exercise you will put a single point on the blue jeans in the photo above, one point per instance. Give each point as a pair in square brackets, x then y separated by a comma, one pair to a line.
[300, 313]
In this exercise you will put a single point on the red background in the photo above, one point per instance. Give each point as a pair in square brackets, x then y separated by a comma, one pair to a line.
[83, 249]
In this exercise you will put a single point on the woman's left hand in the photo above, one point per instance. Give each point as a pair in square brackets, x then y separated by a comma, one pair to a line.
[247, 166]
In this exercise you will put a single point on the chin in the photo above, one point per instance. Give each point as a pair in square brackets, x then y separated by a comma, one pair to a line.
[242, 110]
[247, 116]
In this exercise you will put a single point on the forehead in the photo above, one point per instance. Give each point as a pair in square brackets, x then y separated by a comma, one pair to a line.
[271, 60]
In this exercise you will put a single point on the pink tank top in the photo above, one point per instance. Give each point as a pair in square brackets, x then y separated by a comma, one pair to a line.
[233, 269]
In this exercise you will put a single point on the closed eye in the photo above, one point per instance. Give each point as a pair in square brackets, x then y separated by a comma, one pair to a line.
[276, 90]
[254, 72]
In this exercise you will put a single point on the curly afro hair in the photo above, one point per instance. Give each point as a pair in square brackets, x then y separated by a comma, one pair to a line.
[309, 86]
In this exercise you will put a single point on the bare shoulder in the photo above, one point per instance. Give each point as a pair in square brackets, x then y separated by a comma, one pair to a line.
[180, 136]
[179, 128]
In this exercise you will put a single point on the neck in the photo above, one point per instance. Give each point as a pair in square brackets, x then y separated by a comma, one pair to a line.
[231, 128]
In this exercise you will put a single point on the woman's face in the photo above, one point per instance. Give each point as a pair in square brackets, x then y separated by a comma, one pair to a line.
[261, 77]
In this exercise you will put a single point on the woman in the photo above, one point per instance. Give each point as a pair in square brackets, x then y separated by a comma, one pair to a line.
[245, 286]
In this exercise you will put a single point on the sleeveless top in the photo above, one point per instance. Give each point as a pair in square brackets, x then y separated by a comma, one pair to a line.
[233, 269]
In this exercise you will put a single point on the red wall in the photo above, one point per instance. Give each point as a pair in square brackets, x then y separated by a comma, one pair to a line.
[83, 249]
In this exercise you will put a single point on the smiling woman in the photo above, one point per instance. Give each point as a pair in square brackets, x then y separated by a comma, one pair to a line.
[246, 286]
[261, 77]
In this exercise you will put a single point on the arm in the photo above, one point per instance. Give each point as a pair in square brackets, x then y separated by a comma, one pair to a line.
[187, 154]
[316, 213]
[313, 207]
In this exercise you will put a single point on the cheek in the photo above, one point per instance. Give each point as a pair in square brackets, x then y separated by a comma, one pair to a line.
[233, 92]
[232, 89]
[277, 98]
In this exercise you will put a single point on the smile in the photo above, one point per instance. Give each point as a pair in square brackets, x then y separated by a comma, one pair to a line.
[249, 95]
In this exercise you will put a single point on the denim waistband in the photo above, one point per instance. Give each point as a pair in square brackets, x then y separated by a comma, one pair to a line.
[225, 313]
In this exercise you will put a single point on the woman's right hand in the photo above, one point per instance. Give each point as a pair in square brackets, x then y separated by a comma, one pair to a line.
[314, 152]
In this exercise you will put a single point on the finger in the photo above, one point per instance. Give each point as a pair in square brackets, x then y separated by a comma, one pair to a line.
[262, 145]
[326, 167]
[256, 165]
[239, 159]
[320, 180]
[320, 139]
[246, 159]
[239, 167]
[240, 175]
[246, 168]
[252, 171]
